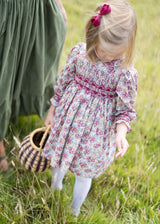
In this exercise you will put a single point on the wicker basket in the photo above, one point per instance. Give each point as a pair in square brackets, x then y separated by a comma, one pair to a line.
[31, 148]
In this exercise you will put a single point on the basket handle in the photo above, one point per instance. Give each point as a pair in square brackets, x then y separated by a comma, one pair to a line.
[44, 136]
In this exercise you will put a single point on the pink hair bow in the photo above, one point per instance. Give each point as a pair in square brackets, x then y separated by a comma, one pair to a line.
[105, 9]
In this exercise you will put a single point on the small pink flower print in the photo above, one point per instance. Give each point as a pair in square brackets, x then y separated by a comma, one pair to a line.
[57, 133]
[78, 173]
[78, 136]
[79, 114]
[61, 81]
[97, 145]
[65, 155]
[92, 139]
[79, 155]
[125, 95]
[62, 123]
[61, 140]
[67, 77]
[46, 151]
[86, 134]
[64, 136]
[89, 159]
[67, 163]
[47, 144]
[74, 129]
[60, 149]
[86, 151]
[80, 148]
[84, 141]
[65, 128]
[53, 147]
[57, 162]
[83, 165]
[67, 68]
[112, 153]
[49, 157]
[90, 112]
[80, 123]
[99, 132]
[99, 166]
[70, 149]
[74, 108]
[73, 165]
[68, 121]
[87, 170]
[96, 122]
[74, 159]
[100, 161]
[58, 154]
[69, 140]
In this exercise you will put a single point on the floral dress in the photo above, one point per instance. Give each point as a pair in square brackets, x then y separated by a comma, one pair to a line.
[90, 100]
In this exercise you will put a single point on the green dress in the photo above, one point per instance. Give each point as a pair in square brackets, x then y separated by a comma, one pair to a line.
[32, 34]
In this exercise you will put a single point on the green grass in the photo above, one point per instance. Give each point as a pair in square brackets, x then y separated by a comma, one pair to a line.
[128, 192]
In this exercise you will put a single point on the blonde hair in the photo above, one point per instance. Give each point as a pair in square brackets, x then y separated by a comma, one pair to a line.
[117, 27]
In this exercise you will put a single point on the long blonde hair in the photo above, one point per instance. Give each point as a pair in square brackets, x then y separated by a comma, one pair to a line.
[117, 27]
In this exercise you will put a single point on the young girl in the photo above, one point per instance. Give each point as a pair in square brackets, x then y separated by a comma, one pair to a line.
[93, 103]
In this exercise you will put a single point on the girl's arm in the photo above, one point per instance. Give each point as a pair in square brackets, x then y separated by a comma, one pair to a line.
[126, 96]
[121, 141]
[125, 113]
[50, 116]
[60, 5]
[66, 76]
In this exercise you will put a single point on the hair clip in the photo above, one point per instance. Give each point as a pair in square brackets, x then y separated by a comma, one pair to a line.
[105, 9]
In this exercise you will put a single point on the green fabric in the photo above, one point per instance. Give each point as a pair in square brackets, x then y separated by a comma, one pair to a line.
[32, 34]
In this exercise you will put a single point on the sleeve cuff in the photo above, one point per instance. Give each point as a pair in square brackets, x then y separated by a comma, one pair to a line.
[54, 102]
[126, 121]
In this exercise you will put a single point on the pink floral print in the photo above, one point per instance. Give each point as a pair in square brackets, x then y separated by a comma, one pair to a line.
[90, 99]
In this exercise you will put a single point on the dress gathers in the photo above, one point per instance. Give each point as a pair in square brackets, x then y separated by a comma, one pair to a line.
[90, 99]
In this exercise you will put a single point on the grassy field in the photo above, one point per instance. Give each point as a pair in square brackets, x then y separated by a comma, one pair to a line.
[128, 192]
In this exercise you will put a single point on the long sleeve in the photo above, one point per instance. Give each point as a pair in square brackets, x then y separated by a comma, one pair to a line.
[126, 95]
[66, 76]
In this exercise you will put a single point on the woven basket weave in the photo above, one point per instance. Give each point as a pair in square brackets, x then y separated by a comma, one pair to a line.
[31, 148]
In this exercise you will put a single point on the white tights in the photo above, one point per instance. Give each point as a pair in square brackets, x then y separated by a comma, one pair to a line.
[57, 178]
[81, 188]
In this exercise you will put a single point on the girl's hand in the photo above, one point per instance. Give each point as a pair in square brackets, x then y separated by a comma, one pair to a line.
[121, 141]
[50, 116]
[122, 146]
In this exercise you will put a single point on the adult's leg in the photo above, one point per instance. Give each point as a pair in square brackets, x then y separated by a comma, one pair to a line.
[3, 160]
[81, 189]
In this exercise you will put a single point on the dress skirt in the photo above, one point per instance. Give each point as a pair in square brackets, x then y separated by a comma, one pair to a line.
[32, 34]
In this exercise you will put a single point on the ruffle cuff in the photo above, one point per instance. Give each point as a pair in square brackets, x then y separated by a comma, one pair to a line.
[55, 100]
[125, 120]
